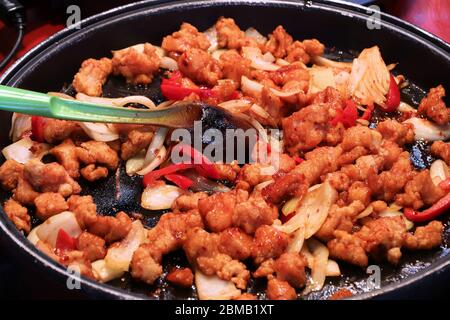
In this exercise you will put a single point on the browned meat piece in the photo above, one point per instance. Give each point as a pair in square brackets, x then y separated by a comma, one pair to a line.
[93, 173]
[390, 151]
[201, 249]
[111, 228]
[78, 261]
[348, 248]
[217, 210]
[285, 186]
[268, 243]
[227, 172]
[294, 72]
[304, 51]
[359, 191]
[200, 66]
[420, 191]
[98, 152]
[251, 175]
[92, 76]
[230, 36]
[279, 42]
[306, 129]
[187, 37]
[137, 64]
[366, 167]
[24, 193]
[433, 106]
[48, 204]
[438, 148]
[137, 140]
[235, 243]
[234, 66]
[58, 130]
[188, 201]
[50, 177]
[84, 209]
[341, 294]
[66, 155]
[10, 172]
[360, 136]
[290, 267]
[92, 246]
[280, 290]
[182, 277]
[143, 265]
[397, 132]
[425, 238]
[18, 215]
[265, 269]
[246, 296]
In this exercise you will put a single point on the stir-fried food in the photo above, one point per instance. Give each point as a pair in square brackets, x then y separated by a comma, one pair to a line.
[344, 190]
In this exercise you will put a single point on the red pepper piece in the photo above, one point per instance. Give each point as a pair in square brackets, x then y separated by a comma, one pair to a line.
[368, 112]
[298, 160]
[347, 116]
[445, 185]
[429, 214]
[199, 159]
[180, 180]
[37, 128]
[393, 96]
[156, 174]
[65, 242]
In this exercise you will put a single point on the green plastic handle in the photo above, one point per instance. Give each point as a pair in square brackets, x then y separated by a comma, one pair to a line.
[180, 115]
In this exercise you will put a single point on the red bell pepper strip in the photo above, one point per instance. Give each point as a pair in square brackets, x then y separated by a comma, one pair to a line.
[429, 214]
[393, 96]
[199, 159]
[298, 160]
[156, 174]
[445, 185]
[346, 116]
[37, 128]
[180, 180]
[65, 242]
[368, 112]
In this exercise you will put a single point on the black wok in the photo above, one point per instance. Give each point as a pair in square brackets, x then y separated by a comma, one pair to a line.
[423, 58]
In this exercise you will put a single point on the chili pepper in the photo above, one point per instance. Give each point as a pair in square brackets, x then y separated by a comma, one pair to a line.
[368, 112]
[64, 241]
[298, 160]
[37, 128]
[346, 116]
[429, 214]
[180, 180]
[198, 158]
[392, 97]
[156, 174]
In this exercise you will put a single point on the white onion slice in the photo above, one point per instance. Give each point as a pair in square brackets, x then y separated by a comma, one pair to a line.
[322, 61]
[439, 171]
[260, 111]
[282, 62]
[319, 267]
[160, 157]
[48, 231]
[32, 236]
[250, 87]
[258, 62]
[99, 131]
[20, 123]
[427, 130]
[254, 34]
[156, 144]
[404, 107]
[160, 196]
[20, 151]
[214, 288]
[333, 269]
[320, 78]
[285, 94]
[262, 185]
[217, 53]
[211, 35]
[104, 273]
[365, 213]
[119, 257]
[268, 56]
[168, 63]
[135, 163]
[117, 102]
[236, 106]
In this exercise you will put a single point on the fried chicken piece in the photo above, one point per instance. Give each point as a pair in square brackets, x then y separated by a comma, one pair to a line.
[111, 228]
[349, 248]
[426, 237]
[235, 243]
[24, 193]
[97, 152]
[187, 37]
[278, 43]
[137, 63]
[228, 172]
[290, 267]
[234, 66]
[93, 246]
[251, 175]
[230, 36]
[217, 210]
[397, 132]
[188, 201]
[433, 106]
[143, 265]
[18, 215]
[304, 51]
[182, 277]
[77, 261]
[10, 172]
[49, 204]
[200, 66]
[361, 136]
[55, 130]
[280, 290]
[285, 186]
[269, 243]
[66, 155]
[84, 209]
[92, 76]
[440, 149]
[137, 140]
[92, 173]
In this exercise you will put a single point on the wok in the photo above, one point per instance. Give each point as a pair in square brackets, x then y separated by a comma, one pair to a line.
[50, 66]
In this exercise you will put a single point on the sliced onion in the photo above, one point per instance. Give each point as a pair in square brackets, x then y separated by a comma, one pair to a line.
[32, 236]
[365, 213]
[319, 267]
[404, 107]
[370, 79]
[103, 272]
[391, 213]
[135, 163]
[156, 144]
[333, 269]
[236, 106]
[290, 206]
[427, 130]
[160, 157]
[117, 102]
[159, 51]
[254, 34]
[48, 231]
[439, 171]
[214, 288]
[119, 256]
[255, 55]
[20, 124]
[20, 151]
[320, 78]
[260, 111]
[168, 63]
[268, 56]
[99, 131]
[159, 196]
[251, 87]
[322, 61]
[282, 62]
[211, 35]
[296, 243]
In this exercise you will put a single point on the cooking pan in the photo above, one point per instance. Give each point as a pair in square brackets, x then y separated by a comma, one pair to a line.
[50, 66]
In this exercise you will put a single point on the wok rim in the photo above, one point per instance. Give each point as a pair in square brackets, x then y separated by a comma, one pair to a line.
[95, 289]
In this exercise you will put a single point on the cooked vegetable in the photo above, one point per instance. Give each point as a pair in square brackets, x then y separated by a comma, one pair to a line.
[319, 267]
[322, 61]
[159, 196]
[180, 180]
[20, 151]
[201, 183]
[37, 128]
[117, 102]
[255, 55]
[99, 131]
[156, 144]
[160, 157]
[439, 171]
[236, 106]
[214, 288]
[168, 63]
[135, 163]
[431, 213]
[20, 126]
[254, 34]
[65, 242]
[49, 230]
[103, 272]
[320, 79]
[427, 130]
[346, 116]
[393, 96]
[250, 87]
[393, 213]
[211, 35]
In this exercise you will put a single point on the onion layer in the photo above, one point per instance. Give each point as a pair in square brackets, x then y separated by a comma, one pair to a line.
[214, 288]
[427, 130]
[48, 231]
[159, 196]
